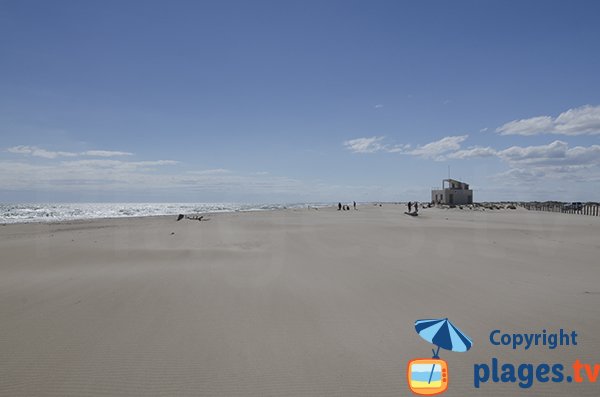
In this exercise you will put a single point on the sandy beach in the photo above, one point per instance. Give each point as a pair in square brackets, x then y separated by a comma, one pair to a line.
[289, 303]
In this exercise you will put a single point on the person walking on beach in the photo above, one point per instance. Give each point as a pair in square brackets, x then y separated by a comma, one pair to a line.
[416, 207]
[409, 206]
[354, 204]
[339, 206]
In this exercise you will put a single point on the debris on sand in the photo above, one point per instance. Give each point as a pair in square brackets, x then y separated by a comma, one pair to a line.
[192, 217]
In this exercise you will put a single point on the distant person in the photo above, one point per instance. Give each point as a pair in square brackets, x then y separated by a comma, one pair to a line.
[409, 206]
[354, 204]
[416, 207]
[339, 206]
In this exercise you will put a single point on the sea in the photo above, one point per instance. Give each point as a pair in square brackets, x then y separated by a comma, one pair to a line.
[57, 212]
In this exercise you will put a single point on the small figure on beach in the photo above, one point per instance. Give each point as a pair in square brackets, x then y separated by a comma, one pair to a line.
[409, 206]
[354, 204]
[416, 207]
[339, 206]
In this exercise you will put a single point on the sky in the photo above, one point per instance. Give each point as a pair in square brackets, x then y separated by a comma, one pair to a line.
[298, 101]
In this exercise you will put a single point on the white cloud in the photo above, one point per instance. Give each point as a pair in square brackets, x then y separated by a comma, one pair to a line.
[472, 152]
[48, 154]
[117, 164]
[557, 153]
[584, 120]
[554, 161]
[115, 175]
[436, 149]
[365, 145]
[566, 175]
[531, 126]
[433, 150]
[105, 153]
[378, 106]
[214, 171]
[520, 175]
[533, 164]
[39, 152]
[398, 148]
[90, 174]
[373, 144]
[554, 150]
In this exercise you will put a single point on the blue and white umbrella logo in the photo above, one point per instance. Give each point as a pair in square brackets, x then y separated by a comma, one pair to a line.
[442, 333]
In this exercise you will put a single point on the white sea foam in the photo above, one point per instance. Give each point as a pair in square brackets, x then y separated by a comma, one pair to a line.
[22, 213]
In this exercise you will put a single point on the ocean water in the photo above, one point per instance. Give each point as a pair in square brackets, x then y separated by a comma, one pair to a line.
[22, 213]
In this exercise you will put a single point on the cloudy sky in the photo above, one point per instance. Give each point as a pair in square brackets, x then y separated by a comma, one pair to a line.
[298, 101]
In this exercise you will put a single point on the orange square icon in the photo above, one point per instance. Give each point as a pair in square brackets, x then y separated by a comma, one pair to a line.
[427, 376]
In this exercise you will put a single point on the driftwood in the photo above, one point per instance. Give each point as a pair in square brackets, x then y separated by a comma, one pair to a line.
[191, 217]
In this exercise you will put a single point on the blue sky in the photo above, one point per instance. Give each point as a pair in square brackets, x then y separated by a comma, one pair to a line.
[298, 101]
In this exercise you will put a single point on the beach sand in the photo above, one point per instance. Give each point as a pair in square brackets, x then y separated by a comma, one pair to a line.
[290, 303]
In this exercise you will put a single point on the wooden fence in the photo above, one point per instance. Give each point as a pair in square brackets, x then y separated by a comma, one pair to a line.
[592, 209]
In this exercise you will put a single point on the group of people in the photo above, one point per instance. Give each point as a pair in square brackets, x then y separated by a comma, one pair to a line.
[415, 205]
[345, 207]
[411, 206]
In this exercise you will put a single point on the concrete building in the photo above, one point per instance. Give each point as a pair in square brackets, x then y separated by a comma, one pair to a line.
[455, 193]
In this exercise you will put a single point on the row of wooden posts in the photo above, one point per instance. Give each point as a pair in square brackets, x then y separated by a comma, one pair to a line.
[592, 209]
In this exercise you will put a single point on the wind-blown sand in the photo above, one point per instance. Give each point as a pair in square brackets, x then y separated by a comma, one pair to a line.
[289, 303]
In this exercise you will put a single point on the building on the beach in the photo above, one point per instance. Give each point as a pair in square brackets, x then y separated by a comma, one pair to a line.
[456, 192]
